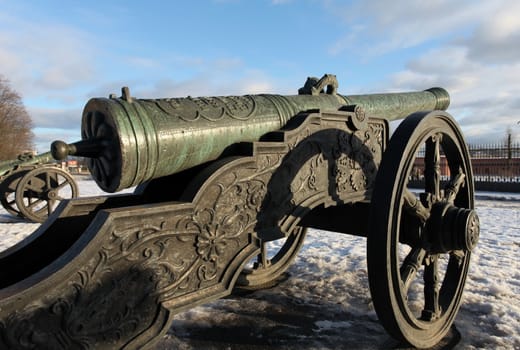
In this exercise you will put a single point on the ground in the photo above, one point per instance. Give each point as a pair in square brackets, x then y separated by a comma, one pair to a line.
[324, 301]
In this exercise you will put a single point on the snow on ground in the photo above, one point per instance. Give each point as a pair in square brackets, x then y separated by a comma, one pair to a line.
[325, 302]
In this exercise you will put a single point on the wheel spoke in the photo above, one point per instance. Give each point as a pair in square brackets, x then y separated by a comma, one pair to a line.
[414, 206]
[452, 188]
[50, 206]
[431, 290]
[459, 256]
[30, 186]
[54, 180]
[432, 164]
[262, 257]
[30, 205]
[411, 265]
[62, 185]
[48, 184]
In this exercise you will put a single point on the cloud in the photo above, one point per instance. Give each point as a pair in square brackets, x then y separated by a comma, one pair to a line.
[64, 118]
[209, 84]
[470, 48]
[484, 97]
[52, 124]
[496, 39]
[45, 59]
[175, 75]
[44, 137]
[377, 27]
[65, 123]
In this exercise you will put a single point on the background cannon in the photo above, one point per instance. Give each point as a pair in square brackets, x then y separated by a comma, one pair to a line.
[226, 188]
[32, 186]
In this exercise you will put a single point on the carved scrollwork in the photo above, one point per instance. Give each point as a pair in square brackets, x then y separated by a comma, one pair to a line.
[136, 263]
[310, 179]
[357, 158]
[214, 237]
[209, 108]
[145, 260]
[329, 166]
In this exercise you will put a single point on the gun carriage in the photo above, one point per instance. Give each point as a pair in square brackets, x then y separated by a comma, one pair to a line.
[220, 178]
[32, 186]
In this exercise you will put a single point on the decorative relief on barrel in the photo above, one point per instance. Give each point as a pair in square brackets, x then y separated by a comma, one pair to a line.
[209, 108]
[239, 107]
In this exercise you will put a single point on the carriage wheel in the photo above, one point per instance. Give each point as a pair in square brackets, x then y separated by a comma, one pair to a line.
[41, 190]
[419, 246]
[8, 191]
[274, 259]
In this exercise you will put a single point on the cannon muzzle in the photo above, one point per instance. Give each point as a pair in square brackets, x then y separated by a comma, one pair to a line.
[129, 141]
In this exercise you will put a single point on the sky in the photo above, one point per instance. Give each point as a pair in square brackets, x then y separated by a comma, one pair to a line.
[59, 54]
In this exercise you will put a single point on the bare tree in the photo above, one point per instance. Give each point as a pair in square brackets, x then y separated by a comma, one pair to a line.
[16, 136]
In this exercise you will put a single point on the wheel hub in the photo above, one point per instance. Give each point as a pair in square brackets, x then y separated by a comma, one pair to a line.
[52, 194]
[452, 228]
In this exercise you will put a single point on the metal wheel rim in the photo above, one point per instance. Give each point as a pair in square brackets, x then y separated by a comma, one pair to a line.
[262, 276]
[8, 192]
[24, 202]
[384, 264]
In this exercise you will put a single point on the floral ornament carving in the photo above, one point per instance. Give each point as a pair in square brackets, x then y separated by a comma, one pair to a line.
[376, 141]
[357, 156]
[214, 236]
[222, 227]
[343, 164]
[307, 179]
[256, 193]
[242, 196]
[171, 253]
[145, 260]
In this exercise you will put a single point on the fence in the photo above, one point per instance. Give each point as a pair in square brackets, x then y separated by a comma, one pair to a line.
[495, 167]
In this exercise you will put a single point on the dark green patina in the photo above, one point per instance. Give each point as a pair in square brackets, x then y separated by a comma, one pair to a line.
[25, 159]
[111, 272]
[130, 141]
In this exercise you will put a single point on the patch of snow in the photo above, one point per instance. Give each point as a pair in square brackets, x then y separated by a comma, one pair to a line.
[326, 303]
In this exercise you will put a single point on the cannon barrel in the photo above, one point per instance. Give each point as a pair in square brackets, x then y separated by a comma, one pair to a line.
[129, 141]
[25, 159]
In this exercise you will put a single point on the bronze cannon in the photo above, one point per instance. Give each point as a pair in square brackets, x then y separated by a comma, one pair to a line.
[33, 185]
[220, 177]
